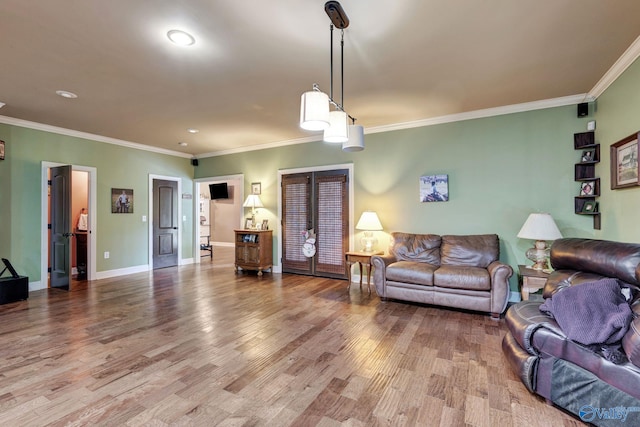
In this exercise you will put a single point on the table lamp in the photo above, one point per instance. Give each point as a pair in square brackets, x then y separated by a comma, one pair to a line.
[539, 227]
[369, 223]
[253, 201]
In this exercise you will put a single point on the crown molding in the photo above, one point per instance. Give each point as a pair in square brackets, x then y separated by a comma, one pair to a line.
[93, 137]
[628, 57]
[477, 114]
[487, 112]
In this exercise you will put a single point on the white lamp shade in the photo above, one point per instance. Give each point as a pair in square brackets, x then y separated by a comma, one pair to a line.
[540, 226]
[356, 139]
[369, 221]
[314, 110]
[338, 130]
[253, 201]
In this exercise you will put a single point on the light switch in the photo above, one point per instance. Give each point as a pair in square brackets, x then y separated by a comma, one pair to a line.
[144, 218]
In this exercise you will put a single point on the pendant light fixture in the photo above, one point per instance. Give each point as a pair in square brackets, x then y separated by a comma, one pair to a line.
[315, 106]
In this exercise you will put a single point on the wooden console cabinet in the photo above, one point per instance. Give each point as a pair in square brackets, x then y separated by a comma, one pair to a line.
[254, 250]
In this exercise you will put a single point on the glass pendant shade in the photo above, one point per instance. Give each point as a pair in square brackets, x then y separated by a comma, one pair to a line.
[356, 139]
[338, 130]
[314, 110]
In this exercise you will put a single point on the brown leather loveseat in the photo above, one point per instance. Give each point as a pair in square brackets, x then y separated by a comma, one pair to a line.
[453, 271]
[580, 347]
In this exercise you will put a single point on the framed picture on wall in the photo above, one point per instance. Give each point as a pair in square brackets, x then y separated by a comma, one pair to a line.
[1, 150]
[121, 200]
[256, 188]
[434, 188]
[624, 163]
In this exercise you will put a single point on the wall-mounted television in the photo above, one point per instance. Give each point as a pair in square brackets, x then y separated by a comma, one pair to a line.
[219, 191]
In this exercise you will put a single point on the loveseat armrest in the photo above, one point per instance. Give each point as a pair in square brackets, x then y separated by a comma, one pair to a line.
[500, 274]
[380, 263]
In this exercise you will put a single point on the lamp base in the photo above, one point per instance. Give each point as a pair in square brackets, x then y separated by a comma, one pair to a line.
[369, 242]
[539, 254]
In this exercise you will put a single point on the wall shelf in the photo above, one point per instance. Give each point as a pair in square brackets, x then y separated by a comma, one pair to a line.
[585, 174]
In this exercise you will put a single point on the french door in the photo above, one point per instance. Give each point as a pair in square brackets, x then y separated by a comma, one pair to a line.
[315, 205]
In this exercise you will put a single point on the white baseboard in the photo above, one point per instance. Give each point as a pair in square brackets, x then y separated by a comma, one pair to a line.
[36, 286]
[514, 297]
[187, 261]
[122, 271]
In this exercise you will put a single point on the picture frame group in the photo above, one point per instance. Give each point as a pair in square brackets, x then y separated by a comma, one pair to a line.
[249, 224]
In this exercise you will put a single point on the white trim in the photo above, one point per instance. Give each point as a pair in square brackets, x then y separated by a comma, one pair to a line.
[514, 296]
[223, 244]
[150, 217]
[122, 271]
[36, 286]
[196, 200]
[470, 115]
[91, 136]
[186, 261]
[487, 112]
[92, 235]
[349, 167]
[628, 57]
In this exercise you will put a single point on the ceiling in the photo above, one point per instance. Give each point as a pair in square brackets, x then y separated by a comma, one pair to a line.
[240, 83]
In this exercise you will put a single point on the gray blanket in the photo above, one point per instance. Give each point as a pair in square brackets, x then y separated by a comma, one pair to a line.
[591, 312]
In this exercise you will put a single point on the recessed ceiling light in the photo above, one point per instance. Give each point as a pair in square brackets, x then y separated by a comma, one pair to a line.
[193, 130]
[181, 38]
[1, 104]
[66, 94]
[182, 144]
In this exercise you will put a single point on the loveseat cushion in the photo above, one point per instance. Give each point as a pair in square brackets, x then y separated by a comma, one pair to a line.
[473, 250]
[419, 273]
[462, 277]
[416, 247]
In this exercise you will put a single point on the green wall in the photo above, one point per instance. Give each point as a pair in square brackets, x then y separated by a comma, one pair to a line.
[617, 116]
[124, 236]
[500, 169]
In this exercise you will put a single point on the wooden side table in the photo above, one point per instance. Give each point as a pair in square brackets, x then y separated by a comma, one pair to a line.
[532, 280]
[360, 258]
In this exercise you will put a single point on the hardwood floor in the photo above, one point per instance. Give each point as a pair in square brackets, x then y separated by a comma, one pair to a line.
[200, 345]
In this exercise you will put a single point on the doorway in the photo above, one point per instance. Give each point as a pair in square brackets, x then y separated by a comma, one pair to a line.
[165, 225]
[217, 217]
[318, 200]
[77, 259]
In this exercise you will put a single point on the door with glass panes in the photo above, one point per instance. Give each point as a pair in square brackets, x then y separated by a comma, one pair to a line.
[315, 204]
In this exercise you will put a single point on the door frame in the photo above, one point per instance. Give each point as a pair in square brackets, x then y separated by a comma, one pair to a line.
[181, 220]
[281, 172]
[44, 220]
[196, 217]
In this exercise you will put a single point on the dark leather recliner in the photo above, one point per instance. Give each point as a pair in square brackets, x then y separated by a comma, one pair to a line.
[580, 378]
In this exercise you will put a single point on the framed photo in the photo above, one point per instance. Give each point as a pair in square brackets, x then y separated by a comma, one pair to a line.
[248, 224]
[1, 150]
[587, 188]
[590, 207]
[256, 188]
[265, 224]
[624, 163]
[434, 188]
[587, 156]
[121, 200]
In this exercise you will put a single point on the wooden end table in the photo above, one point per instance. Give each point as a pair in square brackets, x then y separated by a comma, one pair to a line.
[360, 258]
[532, 280]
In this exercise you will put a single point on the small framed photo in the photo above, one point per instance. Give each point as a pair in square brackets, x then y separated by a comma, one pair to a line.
[624, 163]
[121, 200]
[587, 156]
[256, 188]
[248, 224]
[1, 150]
[590, 207]
[587, 188]
[434, 188]
[265, 224]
